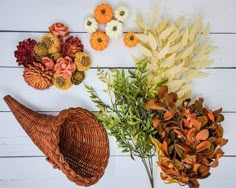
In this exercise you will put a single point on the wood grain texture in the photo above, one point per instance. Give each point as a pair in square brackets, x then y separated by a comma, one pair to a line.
[37, 15]
[212, 88]
[117, 55]
[121, 172]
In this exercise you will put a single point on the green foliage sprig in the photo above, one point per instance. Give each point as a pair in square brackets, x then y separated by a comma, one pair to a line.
[126, 118]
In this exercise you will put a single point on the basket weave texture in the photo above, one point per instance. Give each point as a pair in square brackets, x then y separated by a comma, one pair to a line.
[73, 141]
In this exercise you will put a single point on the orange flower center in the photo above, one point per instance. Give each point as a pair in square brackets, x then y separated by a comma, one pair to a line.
[103, 11]
[99, 40]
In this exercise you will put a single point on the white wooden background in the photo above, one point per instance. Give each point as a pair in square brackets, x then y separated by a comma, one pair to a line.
[22, 165]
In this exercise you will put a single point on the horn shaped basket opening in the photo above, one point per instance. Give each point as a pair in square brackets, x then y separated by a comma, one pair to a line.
[73, 141]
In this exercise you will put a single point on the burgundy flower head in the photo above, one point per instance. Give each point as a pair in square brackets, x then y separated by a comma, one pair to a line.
[71, 46]
[24, 53]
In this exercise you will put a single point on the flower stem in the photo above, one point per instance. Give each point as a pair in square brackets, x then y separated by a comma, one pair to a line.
[149, 169]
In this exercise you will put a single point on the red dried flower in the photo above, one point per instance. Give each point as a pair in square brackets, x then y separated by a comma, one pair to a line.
[24, 53]
[71, 46]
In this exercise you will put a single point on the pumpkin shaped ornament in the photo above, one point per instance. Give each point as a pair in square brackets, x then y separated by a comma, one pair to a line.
[99, 41]
[130, 39]
[103, 13]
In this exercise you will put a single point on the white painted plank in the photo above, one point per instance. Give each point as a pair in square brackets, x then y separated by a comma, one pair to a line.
[15, 142]
[116, 54]
[218, 90]
[38, 15]
[121, 172]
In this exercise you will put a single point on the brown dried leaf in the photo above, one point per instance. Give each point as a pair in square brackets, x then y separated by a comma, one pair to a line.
[153, 105]
[172, 172]
[164, 148]
[203, 146]
[222, 141]
[203, 171]
[190, 135]
[193, 183]
[162, 91]
[179, 133]
[203, 120]
[215, 163]
[196, 167]
[202, 135]
[172, 98]
[217, 112]
[219, 118]
[168, 115]
[196, 123]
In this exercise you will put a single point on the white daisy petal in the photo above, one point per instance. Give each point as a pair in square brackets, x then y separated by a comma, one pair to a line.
[90, 25]
[114, 29]
[121, 13]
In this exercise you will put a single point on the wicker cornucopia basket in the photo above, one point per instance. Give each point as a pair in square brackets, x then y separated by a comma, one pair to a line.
[73, 141]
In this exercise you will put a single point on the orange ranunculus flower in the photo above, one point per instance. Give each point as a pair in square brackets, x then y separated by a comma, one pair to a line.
[49, 63]
[65, 67]
[59, 29]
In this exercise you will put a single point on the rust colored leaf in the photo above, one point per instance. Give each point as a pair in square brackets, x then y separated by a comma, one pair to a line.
[190, 160]
[196, 167]
[153, 105]
[219, 118]
[211, 116]
[179, 133]
[217, 112]
[215, 163]
[202, 135]
[193, 183]
[168, 115]
[203, 120]
[196, 123]
[203, 171]
[164, 148]
[186, 124]
[165, 177]
[155, 122]
[162, 91]
[172, 98]
[203, 145]
[219, 153]
[190, 135]
[184, 179]
[222, 141]
[172, 172]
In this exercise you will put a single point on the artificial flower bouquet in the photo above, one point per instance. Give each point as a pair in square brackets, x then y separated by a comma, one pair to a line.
[56, 59]
[151, 110]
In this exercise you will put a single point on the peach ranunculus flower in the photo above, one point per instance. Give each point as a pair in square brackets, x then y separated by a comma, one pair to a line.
[65, 67]
[49, 63]
[59, 29]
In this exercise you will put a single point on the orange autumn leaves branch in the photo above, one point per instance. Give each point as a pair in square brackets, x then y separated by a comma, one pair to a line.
[188, 140]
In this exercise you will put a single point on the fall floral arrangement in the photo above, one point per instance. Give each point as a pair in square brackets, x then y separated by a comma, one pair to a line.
[56, 59]
[150, 109]
[113, 21]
